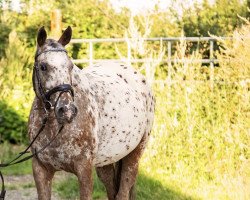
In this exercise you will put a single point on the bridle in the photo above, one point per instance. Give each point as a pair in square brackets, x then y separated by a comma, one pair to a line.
[46, 99]
[43, 95]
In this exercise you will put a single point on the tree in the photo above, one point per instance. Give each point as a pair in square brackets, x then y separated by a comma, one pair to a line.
[220, 18]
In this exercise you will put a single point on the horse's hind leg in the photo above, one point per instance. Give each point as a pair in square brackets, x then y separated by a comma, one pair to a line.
[43, 178]
[107, 175]
[129, 171]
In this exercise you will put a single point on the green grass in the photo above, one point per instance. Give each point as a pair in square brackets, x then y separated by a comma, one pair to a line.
[151, 188]
[69, 188]
[9, 152]
[146, 188]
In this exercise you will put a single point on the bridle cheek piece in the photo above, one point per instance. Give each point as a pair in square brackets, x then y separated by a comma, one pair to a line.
[46, 96]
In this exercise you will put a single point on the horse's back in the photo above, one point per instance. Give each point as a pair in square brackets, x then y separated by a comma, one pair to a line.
[126, 107]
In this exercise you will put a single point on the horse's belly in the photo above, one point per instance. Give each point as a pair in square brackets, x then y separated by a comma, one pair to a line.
[120, 131]
[116, 148]
[125, 104]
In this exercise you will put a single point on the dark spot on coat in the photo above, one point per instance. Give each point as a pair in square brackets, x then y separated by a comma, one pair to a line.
[119, 75]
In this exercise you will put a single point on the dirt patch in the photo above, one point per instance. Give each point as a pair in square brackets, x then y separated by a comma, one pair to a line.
[23, 187]
[26, 194]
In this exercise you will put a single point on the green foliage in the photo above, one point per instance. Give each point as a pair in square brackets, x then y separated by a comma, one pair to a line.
[93, 19]
[12, 126]
[15, 90]
[5, 30]
[219, 18]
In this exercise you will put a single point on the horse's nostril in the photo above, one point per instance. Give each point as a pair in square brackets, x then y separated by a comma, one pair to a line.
[60, 111]
[75, 110]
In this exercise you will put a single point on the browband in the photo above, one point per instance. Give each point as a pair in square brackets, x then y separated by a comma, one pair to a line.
[50, 50]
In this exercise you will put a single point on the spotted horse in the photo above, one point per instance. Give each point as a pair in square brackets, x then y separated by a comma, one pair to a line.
[106, 110]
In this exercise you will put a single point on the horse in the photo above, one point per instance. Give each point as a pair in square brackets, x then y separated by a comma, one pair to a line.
[106, 111]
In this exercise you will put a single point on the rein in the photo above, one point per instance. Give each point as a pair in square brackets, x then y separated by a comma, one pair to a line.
[17, 159]
[46, 98]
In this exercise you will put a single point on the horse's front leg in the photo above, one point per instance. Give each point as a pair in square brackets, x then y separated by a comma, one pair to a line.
[43, 178]
[84, 175]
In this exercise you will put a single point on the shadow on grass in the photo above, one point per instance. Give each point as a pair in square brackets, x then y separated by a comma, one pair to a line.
[146, 189]
[69, 188]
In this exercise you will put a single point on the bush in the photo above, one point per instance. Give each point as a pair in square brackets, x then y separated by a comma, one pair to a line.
[15, 90]
[12, 125]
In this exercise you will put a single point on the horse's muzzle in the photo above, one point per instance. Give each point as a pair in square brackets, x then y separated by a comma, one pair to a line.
[65, 113]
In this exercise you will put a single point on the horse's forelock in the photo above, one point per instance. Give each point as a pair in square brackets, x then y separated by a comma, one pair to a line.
[49, 44]
[53, 43]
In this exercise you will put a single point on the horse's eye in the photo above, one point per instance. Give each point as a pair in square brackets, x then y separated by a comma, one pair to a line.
[43, 67]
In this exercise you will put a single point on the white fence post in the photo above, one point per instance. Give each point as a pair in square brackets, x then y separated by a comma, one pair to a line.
[211, 57]
[90, 53]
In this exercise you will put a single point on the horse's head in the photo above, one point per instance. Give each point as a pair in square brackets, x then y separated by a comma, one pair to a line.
[52, 75]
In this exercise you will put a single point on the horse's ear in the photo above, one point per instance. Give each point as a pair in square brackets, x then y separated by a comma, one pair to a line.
[41, 36]
[66, 36]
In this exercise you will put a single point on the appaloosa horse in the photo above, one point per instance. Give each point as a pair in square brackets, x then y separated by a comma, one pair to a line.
[106, 111]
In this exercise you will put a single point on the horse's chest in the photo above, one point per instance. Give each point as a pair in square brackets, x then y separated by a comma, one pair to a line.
[68, 146]
[59, 153]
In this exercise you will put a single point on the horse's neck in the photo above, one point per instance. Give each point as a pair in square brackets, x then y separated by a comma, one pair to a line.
[80, 79]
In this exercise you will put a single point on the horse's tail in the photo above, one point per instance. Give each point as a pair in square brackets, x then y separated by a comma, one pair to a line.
[118, 171]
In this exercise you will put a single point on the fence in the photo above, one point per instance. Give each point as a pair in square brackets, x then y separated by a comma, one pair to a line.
[91, 42]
